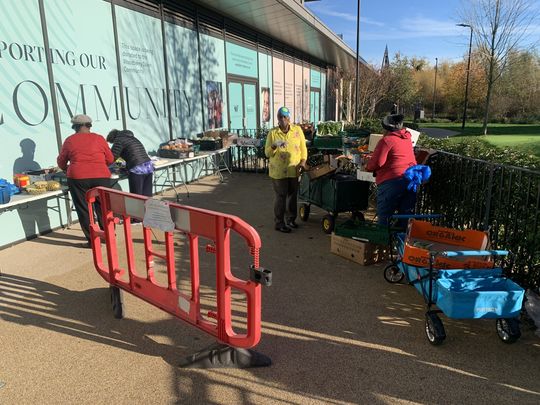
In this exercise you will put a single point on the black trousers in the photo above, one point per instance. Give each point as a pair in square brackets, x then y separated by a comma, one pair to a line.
[141, 184]
[285, 200]
[78, 189]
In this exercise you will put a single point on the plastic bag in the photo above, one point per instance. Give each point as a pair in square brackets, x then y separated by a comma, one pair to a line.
[13, 189]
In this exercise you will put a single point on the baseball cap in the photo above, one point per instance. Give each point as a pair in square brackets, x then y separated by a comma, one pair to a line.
[284, 112]
[81, 119]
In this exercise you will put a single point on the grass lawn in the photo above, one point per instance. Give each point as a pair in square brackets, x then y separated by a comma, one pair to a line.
[523, 137]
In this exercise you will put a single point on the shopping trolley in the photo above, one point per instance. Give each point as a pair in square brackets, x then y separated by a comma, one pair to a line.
[455, 271]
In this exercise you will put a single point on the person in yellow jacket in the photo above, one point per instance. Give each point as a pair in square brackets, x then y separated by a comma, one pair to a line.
[286, 149]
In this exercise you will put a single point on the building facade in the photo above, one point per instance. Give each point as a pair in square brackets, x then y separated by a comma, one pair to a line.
[163, 69]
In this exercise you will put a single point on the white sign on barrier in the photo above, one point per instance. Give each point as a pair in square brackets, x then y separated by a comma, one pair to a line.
[157, 214]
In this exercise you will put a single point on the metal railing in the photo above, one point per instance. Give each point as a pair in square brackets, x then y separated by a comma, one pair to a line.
[501, 199]
[249, 158]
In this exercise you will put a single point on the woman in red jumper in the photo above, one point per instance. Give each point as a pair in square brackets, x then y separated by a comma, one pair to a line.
[392, 156]
[86, 157]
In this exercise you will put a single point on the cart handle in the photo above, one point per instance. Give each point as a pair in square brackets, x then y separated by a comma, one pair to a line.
[457, 253]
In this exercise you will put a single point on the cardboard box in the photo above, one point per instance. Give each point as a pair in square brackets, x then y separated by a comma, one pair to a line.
[365, 176]
[414, 136]
[363, 253]
[227, 138]
[318, 171]
[247, 141]
[373, 141]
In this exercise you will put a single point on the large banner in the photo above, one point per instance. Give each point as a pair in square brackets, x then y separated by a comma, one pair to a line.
[289, 86]
[297, 93]
[184, 85]
[26, 116]
[277, 75]
[143, 75]
[265, 84]
[214, 82]
[84, 65]
[305, 94]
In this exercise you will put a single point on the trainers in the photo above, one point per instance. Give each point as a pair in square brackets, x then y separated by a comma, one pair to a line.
[283, 228]
[292, 224]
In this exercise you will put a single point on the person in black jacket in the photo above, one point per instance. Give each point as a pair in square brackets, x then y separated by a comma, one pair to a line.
[138, 163]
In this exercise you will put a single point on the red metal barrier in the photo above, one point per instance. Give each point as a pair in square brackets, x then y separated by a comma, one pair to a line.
[194, 223]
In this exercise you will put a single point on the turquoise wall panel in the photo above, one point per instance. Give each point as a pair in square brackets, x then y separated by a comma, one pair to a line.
[323, 96]
[315, 78]
[241, 61]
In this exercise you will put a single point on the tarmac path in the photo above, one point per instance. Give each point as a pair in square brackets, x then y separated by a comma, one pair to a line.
[438, 132]
[336, 331]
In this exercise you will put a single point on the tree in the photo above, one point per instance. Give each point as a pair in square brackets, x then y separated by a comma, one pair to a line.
[454, 91]
[402, 87]
[500, 27]
[519, 89]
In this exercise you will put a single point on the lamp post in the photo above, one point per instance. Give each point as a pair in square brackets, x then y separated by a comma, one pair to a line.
[434, 88]
[357, 62]
[468, 72]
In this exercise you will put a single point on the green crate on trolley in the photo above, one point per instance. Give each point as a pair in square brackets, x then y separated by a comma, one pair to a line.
[369, 231]
[327, 142]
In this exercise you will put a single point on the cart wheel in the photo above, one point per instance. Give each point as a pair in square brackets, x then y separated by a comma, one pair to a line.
[328, 223]
[304, 212]
[358, 216]
[116, 301]
[508, 329]
[434, 329]
[393, 274]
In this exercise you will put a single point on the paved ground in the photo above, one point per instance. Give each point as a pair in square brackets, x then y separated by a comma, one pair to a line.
[336, 331]
[438, 132]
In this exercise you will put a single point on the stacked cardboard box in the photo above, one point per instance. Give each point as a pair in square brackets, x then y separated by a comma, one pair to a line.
[360, 252]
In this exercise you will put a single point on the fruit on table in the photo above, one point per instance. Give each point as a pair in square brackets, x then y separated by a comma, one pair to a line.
[39, 184]
[53, 185]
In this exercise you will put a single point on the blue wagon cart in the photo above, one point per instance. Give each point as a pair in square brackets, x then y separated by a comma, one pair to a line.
[459, 281]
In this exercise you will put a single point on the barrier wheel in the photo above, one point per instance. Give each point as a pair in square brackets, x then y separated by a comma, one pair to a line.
[358, 216]
[304, 212]
[508, 329]
[434, 329]
[116, 302]
[328, 223]
[393, 274]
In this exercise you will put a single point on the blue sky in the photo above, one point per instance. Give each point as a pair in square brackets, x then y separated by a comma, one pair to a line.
[422, 28]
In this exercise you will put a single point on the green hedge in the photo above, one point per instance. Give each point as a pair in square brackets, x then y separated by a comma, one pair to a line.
[477, 148]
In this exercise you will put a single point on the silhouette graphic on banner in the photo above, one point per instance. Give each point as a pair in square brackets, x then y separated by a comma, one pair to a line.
[35, 212]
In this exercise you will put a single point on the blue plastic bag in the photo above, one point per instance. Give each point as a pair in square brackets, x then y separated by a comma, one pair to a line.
[13, 189]
[417, 175]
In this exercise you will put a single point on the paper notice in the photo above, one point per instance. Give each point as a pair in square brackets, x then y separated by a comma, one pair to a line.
[157, 214]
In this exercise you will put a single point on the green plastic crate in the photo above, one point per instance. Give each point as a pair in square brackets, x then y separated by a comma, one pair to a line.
[369, 231]
[327, 142]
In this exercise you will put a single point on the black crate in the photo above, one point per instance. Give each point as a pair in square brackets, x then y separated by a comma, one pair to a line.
[171, 153]
[211, 145]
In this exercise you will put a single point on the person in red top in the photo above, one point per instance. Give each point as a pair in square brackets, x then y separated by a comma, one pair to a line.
[392, 156]
[85, 156]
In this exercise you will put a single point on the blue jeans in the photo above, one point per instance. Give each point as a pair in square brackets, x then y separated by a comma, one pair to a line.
[392, 196]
